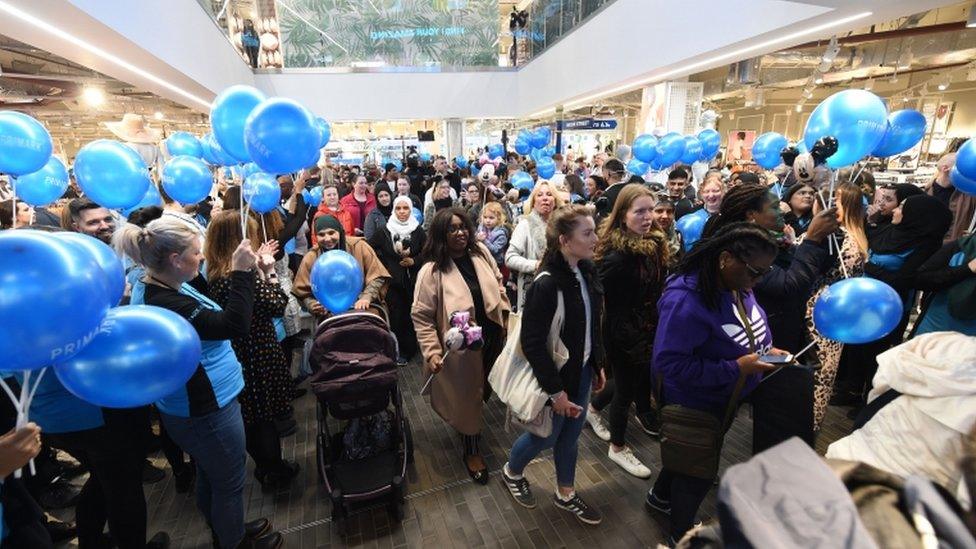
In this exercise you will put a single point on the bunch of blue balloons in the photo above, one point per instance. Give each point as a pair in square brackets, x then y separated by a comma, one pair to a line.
[57, 305]
[660, 152]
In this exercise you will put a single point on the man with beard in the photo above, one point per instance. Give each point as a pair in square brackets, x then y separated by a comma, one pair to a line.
[91, 219]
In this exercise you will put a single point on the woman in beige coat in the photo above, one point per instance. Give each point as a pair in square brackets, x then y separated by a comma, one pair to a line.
[459, 275]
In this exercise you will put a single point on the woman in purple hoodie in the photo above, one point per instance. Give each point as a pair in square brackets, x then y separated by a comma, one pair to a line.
[710, 332]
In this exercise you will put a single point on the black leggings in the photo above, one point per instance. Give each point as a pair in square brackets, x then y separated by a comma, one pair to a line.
[263, 445]
[686, 495]
[631, 383]
[114, 455]
[252, 55]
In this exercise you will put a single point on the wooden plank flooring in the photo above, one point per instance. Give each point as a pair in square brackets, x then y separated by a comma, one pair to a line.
[444, 508]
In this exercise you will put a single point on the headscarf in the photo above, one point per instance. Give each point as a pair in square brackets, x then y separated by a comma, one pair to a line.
[904, 190]
[382, 187]
[400, 230]
[323, 222]
[924, 220]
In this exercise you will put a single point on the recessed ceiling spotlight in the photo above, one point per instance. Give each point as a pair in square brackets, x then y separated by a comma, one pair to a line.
[158, 115]
[93, 96]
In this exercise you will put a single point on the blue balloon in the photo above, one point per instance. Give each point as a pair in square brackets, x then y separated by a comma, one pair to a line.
[496, 150]
[417, 214]
[645, 148]
[313, 197]
[461, 162]
[52, 299]
[152, 198]
[248, 169]
[691, 226]
[545, 167]
[657, 165]
[540, 137]
[184, 143]
[693, 150]
[44, 186]
[521, 180]
[281, 136]
[522, 146]
[140, 355]
[111, 174]
[710, 141]
[25, 145]
[262, 192]
[765, 150]
[186, 179]
[857, 310]
[802, 147]
[670, 148]
[337, 280]
[962, 183]
[221, 157]
[106, 258]
[637, 167]
[966, 159]
[425, 156]
[325, 131]
[228, 118]
[856, 118]
[905, 129]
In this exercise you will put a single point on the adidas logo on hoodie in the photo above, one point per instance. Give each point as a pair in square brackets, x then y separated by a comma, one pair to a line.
[738, 332]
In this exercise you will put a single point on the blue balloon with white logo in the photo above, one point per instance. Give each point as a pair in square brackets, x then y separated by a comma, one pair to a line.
[857, 310]
[187, 179]
[637, 167]
[522, 146]
[545, 167]
[111, 174]
[540, 137]
[765, 150]
[183, 144]
[325, 131]
[228, 118]
[281, 136]
[44, 186]
[262, 192]
[108, 261]
[905, 129]
[496, 150]
[858, 120]
[52, 299]
[670, 148]
[710, 141]
[313, 197]
[151, 198]
[141, 354]
[693, 150]
[25, 144]
[521, 180]
[644, 148]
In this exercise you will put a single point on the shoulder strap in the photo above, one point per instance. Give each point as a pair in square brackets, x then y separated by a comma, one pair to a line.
[746, 321]
[740, 383]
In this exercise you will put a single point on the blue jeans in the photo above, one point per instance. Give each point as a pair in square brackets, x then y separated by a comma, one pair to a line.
[216, 443]
[563, 440]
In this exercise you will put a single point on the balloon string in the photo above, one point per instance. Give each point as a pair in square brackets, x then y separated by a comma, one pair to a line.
[972, 224]
[243, 216]
[858, 174]
[840, 256]
[21, 405]
[13, 201]
[264, 231]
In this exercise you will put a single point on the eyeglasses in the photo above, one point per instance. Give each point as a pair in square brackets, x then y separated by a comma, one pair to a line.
[755, 273]
[457, 229]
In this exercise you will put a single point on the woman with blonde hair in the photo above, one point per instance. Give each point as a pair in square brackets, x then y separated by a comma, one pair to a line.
[852, 242]
[267, 382]
[528, 241]
[204, 417]
[632, 261]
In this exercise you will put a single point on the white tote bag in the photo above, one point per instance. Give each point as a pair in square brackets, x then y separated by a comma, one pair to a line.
[511, 377]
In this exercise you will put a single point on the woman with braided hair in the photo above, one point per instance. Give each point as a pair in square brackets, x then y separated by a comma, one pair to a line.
[783, 405]
[711, 332]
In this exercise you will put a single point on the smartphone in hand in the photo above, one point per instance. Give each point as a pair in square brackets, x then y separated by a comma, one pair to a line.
[777, 359]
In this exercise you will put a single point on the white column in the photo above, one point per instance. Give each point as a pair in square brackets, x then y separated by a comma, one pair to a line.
[454, 137]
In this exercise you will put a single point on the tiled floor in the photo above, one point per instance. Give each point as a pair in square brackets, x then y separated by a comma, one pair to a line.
[444, 508]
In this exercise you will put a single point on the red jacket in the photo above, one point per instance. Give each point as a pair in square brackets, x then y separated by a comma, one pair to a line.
[349, 204]
[341, 214]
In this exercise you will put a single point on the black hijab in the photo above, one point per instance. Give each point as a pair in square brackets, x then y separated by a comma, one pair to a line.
[924, 221]
[387, 210]
[330, 222]
[904, 190]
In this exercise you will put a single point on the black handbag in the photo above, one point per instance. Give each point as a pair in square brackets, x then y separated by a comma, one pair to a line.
[691, 440]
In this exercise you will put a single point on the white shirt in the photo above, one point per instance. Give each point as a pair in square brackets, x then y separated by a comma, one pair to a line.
[587, 343]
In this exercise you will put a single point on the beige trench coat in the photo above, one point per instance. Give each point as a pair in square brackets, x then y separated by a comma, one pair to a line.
[457, 391]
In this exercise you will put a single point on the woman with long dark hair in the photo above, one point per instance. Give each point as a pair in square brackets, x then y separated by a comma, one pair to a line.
[459, 275]
[711, 335]
[569, 272]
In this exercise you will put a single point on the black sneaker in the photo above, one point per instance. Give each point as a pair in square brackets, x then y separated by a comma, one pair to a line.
[649, 423]
[151, 474]
[652, 502]
[519, 488]
[60, 531]
[60, 494]
[575, 505]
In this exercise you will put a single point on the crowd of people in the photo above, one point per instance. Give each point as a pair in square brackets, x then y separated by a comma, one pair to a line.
[590, 258]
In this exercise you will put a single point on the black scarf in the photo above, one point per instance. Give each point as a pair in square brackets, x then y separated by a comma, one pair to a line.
[925, 220]
[388, 209]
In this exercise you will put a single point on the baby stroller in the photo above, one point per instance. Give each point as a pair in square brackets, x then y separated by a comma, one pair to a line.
[354, 377]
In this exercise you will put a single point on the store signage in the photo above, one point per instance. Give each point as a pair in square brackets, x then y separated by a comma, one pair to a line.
[590, 124]
[398, 34]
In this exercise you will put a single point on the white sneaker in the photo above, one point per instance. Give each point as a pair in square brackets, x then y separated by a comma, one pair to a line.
[626, 459]
[596, 423]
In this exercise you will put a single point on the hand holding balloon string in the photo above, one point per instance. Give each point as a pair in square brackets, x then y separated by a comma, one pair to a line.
[22, 405]
[463, 334]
